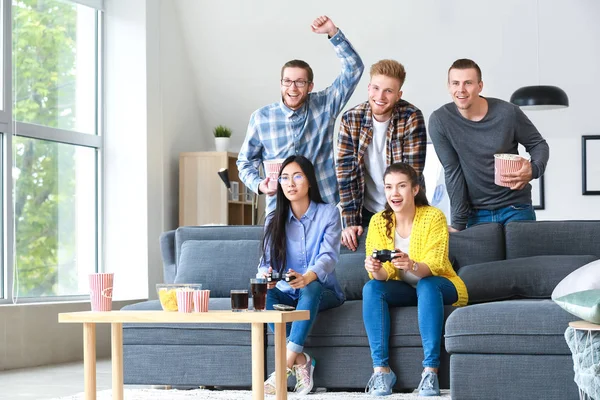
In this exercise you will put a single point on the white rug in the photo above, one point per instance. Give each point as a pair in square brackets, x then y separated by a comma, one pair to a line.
[202, 394]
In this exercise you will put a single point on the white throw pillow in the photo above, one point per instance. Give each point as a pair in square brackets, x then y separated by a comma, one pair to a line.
[579, 292]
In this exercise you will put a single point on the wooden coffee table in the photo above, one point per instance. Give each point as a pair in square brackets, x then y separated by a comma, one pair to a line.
[118, 318]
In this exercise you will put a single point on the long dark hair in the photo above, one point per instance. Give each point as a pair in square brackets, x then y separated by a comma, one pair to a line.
[275, 230]
[413, 178]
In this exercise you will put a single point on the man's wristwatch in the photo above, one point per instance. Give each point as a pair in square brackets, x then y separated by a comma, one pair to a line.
[415, 266]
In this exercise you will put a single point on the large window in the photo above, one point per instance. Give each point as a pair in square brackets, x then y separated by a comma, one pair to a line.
[54, 149]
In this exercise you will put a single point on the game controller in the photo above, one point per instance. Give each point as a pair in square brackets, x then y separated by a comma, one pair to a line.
[274, 276]
[386, 255]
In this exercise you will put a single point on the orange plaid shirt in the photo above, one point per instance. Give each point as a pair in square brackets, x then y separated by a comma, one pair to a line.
[406, 142]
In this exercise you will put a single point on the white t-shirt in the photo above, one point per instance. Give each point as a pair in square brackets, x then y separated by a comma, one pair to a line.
[375, 165]
[404, 244]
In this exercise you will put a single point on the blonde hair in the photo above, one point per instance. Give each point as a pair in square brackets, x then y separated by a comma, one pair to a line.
[389, 68]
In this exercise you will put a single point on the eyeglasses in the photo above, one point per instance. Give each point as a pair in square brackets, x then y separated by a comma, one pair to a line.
[286, 179]
[298, 83]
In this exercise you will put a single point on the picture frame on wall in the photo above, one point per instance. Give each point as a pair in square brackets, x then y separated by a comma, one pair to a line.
[537, 193]
[590, 167]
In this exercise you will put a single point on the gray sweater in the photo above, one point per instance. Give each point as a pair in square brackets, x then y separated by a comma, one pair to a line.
[466, 150]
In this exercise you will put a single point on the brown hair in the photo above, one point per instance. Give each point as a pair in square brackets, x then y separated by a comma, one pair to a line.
[414, 179]
[389, 68]
[465, 63]
[298, 64]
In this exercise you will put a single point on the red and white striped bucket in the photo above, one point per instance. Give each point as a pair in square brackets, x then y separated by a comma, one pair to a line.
[101, 288]
[272, 168]
[505, 163]
[201, 298]
[185, 300]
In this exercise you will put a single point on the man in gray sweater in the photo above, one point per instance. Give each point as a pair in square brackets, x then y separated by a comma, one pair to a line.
[466, 134]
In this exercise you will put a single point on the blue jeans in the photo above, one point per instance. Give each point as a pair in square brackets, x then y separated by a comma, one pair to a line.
[515, 212]
[430, 296]
[312, 297]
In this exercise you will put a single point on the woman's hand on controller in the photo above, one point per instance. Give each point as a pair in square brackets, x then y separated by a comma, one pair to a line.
[402, 261]
[372, 265]
[270, 285]
[300, 281]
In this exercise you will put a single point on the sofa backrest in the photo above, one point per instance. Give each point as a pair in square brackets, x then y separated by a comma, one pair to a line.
[350, 270]
[530, 238]
[220, 257]
[225, 257]
[202, 254]
[478, 244]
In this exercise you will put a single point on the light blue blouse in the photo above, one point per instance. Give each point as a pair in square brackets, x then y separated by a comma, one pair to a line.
[313, 244]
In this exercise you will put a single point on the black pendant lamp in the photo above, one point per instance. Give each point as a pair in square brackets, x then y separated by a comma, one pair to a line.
[539, 97]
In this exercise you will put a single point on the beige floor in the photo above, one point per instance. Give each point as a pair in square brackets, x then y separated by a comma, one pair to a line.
[49, 382]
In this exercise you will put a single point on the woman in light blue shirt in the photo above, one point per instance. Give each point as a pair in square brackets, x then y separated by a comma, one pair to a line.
[302, 238]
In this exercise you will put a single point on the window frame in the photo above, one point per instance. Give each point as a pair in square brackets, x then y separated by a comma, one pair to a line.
[9, 128]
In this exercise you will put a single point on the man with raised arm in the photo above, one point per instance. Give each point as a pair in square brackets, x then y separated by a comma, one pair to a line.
[302, 122]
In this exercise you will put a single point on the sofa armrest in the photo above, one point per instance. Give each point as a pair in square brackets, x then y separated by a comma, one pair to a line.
[167, 249]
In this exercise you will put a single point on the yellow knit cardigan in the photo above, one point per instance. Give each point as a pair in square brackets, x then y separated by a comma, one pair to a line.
[428, 244]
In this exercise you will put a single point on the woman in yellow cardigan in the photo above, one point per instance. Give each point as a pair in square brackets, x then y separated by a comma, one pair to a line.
[420, 275]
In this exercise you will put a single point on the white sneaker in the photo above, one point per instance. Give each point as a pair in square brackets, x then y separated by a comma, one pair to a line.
[304, 376]
[270, 384]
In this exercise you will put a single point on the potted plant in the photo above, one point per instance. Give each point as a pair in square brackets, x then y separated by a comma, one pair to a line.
[222, 136]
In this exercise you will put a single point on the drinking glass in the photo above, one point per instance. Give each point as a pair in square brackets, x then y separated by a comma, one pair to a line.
[258, 286]
[239, 300]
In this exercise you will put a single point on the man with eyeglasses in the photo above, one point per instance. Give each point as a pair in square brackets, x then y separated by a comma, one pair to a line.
[373, 135]
[302, 122]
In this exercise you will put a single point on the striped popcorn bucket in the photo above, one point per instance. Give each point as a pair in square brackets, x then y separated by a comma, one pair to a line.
[272, 168]
[185, 300]
[101, 287]
[504, 163]
[201, 300]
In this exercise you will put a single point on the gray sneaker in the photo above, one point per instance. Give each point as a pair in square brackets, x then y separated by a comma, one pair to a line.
[381, 383]
[429, 385]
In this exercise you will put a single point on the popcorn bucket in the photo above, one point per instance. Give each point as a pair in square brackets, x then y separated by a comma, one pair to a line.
[101, 286]
[185, 300]
[505, 163]
[272, 168]
[201, 300]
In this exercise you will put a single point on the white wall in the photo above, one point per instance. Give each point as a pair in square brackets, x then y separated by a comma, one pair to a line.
[237, 48]
[181, 113]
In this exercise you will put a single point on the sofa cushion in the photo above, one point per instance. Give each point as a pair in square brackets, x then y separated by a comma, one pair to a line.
[478, 244]
[527, 277]
[508, 327]
[185, 233]
[343, 326]
[219, 265]
[351, 273]
[536, 238]
[579, 292]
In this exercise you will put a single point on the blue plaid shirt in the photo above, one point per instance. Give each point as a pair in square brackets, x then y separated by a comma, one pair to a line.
[276, 131]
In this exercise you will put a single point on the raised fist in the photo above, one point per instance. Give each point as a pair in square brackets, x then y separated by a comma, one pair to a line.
[323, 24]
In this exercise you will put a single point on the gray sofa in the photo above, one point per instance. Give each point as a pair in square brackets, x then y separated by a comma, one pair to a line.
[508, 344]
